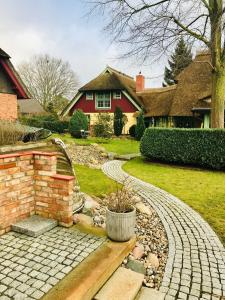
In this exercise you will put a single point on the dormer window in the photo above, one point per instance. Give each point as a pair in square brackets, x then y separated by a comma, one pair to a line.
[89, 96]
[117, 95]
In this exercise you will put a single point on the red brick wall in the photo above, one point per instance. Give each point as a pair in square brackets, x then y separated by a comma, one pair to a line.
[8, 107]
[29, 185]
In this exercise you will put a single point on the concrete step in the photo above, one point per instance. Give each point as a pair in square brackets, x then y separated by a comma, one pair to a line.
[34, 225]
[150, 294]
[124, 284]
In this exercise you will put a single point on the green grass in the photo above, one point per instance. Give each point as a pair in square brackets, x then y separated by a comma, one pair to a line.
[203, 190]
[116, 145]
[94, 182]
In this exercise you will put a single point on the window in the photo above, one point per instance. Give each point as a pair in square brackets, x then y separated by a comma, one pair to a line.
[117, 95]
[103, 100]
[89, 96]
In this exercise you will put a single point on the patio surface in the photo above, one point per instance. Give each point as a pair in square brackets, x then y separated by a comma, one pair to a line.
[30, 267]
[195, 267]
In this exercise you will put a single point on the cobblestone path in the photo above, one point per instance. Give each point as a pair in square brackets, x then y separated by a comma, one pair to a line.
[30, 267]
[195, 267]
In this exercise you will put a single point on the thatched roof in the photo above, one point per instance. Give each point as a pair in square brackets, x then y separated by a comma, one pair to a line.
[111, 79]
[190, 93]
[157, 101]
[30, 106]
[194, 84]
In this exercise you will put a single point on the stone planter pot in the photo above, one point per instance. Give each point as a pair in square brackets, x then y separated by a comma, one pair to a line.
[120, 226]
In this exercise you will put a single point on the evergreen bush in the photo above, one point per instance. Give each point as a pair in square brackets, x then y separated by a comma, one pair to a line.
[50, 122]
[77, 123]
[132, 130]
[200, 147]
[140, 128]
[118, 122]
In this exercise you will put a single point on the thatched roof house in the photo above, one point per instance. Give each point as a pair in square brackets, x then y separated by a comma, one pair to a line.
[189, 98]
[185, 104]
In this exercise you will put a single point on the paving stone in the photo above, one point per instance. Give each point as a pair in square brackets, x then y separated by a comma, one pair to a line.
[196, 251]
[2, 288]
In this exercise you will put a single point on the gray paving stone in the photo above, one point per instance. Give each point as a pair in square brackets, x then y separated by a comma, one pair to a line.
[194, 249]
[28, 269]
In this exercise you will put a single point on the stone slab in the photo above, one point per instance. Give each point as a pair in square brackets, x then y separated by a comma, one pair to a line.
[124, 284]
[34, 225]
[150, 294]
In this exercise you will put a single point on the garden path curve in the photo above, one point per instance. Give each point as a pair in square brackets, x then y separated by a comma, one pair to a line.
[195, 267]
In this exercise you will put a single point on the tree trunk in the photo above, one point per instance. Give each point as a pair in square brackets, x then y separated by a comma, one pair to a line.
[218, 73]
[218, 98]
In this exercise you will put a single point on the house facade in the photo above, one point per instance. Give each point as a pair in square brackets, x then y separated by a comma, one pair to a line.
[109, 90]
[11, 88]
[185, 104]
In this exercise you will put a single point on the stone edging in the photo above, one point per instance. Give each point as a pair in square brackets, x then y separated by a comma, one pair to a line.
[195, 267]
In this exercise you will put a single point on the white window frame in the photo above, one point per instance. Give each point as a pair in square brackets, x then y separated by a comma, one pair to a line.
[89, 96]
[103, 107]
[115, 96]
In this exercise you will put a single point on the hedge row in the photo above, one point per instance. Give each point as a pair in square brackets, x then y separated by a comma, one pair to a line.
[49, 123]
[200, 147]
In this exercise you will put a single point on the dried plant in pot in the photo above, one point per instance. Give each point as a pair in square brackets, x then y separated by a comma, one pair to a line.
[120, 214]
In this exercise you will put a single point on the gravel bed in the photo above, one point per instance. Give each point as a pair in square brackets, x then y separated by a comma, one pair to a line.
[151, 251]
[92, 156]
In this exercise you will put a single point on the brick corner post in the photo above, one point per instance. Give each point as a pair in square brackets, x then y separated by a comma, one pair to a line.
[53, 192]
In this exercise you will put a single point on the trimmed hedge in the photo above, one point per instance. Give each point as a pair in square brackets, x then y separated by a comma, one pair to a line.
[200, 147]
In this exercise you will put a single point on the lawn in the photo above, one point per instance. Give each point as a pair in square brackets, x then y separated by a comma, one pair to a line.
[203, 190]
[94, 182]
[116, 145]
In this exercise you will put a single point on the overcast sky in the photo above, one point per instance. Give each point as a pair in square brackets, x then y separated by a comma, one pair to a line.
[60, 28]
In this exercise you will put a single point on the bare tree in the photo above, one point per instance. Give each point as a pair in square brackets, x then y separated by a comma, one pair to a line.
[151, 27]
[48, 79]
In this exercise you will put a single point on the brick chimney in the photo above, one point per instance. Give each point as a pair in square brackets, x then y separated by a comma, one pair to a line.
[140, 82]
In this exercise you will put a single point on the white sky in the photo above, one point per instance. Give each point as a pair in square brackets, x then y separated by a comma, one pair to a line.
[60, 28]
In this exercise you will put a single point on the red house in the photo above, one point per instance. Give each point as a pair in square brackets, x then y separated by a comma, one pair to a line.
[102, 94]
[11, 88]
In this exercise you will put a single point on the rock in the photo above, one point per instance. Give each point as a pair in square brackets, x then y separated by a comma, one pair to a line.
[138, 251]
[90, 203]
[142, 208]
[104, 154]
[83, 219]
[152, 260]
[136, 266]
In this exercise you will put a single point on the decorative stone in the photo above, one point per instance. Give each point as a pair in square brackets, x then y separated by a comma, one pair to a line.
[136, 266]
[83, 219]
[152, 260]
[138, 251]
[141, 207]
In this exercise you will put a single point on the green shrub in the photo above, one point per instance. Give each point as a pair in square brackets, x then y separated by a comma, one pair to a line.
[132, 130]
[140, 128]
[118, 122]
[78, 122]
[50, 122]
[103, 126]
[200, 147]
